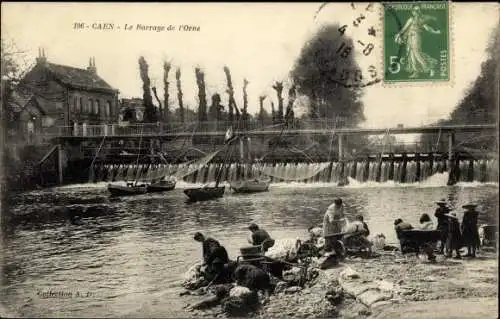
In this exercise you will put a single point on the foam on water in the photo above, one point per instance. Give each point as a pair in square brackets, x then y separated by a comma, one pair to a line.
[436, 180]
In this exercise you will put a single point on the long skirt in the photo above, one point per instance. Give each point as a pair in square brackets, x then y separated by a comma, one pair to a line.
[470, 236]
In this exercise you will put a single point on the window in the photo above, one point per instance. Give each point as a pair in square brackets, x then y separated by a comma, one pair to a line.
[73, 106]
[108, 108]
[89, 106]
[97, 106]
[80, 103]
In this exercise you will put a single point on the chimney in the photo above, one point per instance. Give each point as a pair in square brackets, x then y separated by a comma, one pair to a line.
[91, 67]
[41, 59]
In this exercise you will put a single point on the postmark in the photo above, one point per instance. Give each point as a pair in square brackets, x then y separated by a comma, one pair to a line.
[360, 36]
[416, 45]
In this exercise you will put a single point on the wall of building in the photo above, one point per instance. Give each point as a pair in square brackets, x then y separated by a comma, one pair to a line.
[53, 93]
[67, 105]
[92, 107]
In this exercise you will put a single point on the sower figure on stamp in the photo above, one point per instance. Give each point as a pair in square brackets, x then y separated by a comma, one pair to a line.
[410, 36]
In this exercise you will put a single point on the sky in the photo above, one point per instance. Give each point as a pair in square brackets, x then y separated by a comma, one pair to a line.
[259, 42]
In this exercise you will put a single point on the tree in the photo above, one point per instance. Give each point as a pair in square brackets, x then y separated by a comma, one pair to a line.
[316, 73]
[273, 113]
[479, 105]
[179, 94]
[290, 115]
[233, 108]
[202, 99]
[278, 87]
[244, 112]
[261, 110]
[166, 110]
[149, 108]
[215, 110]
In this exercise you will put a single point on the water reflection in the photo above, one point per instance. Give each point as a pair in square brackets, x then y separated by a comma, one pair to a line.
[131, 252]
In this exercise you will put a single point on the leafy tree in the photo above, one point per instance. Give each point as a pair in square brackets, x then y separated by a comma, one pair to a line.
[479, 106]
[317, 72]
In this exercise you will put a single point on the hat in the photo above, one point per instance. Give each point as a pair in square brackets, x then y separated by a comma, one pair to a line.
[198, 236]
[441, 202]
[469, 206]
[253, 226]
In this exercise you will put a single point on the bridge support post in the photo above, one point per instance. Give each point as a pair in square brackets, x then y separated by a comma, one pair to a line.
[379, 168]
[60, 164]
[343, 173]
[452, 165]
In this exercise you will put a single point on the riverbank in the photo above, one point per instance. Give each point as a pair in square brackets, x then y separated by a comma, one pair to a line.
[388, 286]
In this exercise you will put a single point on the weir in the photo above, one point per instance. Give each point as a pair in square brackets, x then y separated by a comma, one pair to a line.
[115, 154]
[399, 170]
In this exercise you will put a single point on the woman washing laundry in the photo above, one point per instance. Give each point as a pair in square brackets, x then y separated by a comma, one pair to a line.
[333, 224]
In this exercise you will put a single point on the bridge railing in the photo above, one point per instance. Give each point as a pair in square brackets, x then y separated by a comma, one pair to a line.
[137, 129]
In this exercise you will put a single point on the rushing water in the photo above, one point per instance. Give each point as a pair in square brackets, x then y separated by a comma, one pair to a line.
[130, 259]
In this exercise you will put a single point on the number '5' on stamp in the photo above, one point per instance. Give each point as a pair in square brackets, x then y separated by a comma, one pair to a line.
[416, 42]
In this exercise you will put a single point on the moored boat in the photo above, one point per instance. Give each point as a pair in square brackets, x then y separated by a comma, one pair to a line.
[204, 193]
[207, 192]
[120, 190]
[255, 185]
[161, 186]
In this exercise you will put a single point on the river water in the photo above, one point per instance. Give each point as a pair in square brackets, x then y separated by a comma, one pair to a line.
[129, 261]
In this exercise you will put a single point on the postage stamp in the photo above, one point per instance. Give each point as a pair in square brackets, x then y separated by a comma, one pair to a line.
[416, 42]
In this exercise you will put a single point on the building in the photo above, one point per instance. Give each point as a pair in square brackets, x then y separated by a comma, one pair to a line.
[28, 116]
[71, 95]
[131, 110]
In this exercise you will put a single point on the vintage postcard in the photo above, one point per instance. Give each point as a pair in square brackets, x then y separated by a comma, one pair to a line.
[262, 160]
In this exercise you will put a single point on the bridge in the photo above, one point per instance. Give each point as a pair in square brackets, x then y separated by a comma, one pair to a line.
[214, 129]
[81, 145]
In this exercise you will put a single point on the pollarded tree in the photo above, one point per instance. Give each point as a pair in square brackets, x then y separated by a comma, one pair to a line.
[179, 94]
[149, 108]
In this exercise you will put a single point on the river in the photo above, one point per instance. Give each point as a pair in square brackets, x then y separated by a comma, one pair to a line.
[129, 261]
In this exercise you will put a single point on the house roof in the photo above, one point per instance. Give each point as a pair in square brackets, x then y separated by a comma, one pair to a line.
[20, 100]
[78, 78]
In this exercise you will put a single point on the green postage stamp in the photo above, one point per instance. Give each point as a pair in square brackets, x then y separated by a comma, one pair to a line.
[416, 42]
